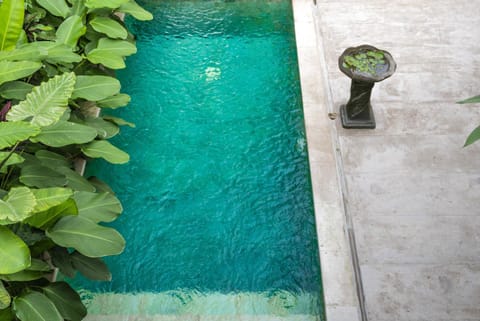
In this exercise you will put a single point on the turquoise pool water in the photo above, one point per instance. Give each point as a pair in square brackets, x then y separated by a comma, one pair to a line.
[217, 196]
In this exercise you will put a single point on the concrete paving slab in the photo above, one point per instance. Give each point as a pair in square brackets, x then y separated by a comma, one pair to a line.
[410, 190]
[375, 154]
[416, 292]
[409, 239]
[420, 193]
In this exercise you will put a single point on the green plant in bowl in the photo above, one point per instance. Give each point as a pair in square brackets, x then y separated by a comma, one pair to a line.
[367, 61]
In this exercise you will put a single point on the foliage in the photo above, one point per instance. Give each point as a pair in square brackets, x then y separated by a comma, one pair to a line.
[472, 100]
[365, 61]
[57, 61]
[475, 134]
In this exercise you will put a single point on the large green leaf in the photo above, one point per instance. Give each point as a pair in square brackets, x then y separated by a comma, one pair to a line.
[92, 268]
[35, 306]
[119, 121]
[135, 10]
[66, 300]
[11, 23]
[115, 101]
[473, 137]
[63, 133]
[5, 298]
[15, 90]
[45, 219]
[39, 265]
[61, 259]
[7, 211]
[103, 149]
[35, 271]
[100, 185]
[70, 31]
[50, 197]
[471, 100]
[14, 253]
[94, 4]
[78, 7]
[46, 103]
[86, 237]
[95, 87]
[58, 8]
[51, 159]
[8, 159]
[60, 164]
[61, 54]
[14, 70]
[22, 276]
[33, 51]
[98, 207]
[41, 177]
[22, 200]
[111, 53]
[75, 180]
[29, 159]
[14, 132]
[50, 51]
[110, 27]
[105, 129]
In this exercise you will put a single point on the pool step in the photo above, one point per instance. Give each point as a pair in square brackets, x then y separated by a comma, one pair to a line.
[195, 306]
[298, 317]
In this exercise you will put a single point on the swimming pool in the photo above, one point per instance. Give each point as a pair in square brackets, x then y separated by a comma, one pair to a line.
[218, 207]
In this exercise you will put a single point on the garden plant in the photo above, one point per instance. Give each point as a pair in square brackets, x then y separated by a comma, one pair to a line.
[57, 63]
[475, 134]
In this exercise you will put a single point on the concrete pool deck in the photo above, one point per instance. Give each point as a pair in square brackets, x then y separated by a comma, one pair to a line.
[398, 207]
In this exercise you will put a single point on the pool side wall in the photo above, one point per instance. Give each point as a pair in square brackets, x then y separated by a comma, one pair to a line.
[338, 278]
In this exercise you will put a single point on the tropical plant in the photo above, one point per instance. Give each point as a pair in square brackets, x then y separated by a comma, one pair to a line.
[475, 134]
[57, 62]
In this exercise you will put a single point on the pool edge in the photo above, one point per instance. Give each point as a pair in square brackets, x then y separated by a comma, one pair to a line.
[336, 261]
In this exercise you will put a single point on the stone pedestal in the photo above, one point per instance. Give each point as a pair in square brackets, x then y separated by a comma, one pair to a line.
[365, 65]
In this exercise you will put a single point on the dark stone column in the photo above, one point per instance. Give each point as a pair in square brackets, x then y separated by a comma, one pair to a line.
[360, 92]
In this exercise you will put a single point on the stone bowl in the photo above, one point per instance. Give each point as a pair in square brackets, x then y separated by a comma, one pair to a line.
[381, 72]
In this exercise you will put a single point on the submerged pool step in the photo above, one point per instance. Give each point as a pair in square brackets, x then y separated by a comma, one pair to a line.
[195, 306]
[298, 317]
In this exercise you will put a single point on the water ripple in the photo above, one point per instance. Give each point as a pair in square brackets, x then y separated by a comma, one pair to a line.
[217, 195]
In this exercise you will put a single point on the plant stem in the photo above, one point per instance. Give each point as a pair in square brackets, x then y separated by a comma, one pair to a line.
[6, 176]
[79, 65]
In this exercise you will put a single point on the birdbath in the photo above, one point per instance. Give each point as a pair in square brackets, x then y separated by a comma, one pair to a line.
[365, 65]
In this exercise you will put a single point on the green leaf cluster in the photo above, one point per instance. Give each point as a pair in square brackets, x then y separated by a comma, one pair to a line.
[57, 64]
[365, 62]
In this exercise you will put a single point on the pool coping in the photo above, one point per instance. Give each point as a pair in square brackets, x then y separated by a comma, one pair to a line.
[336, 259]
